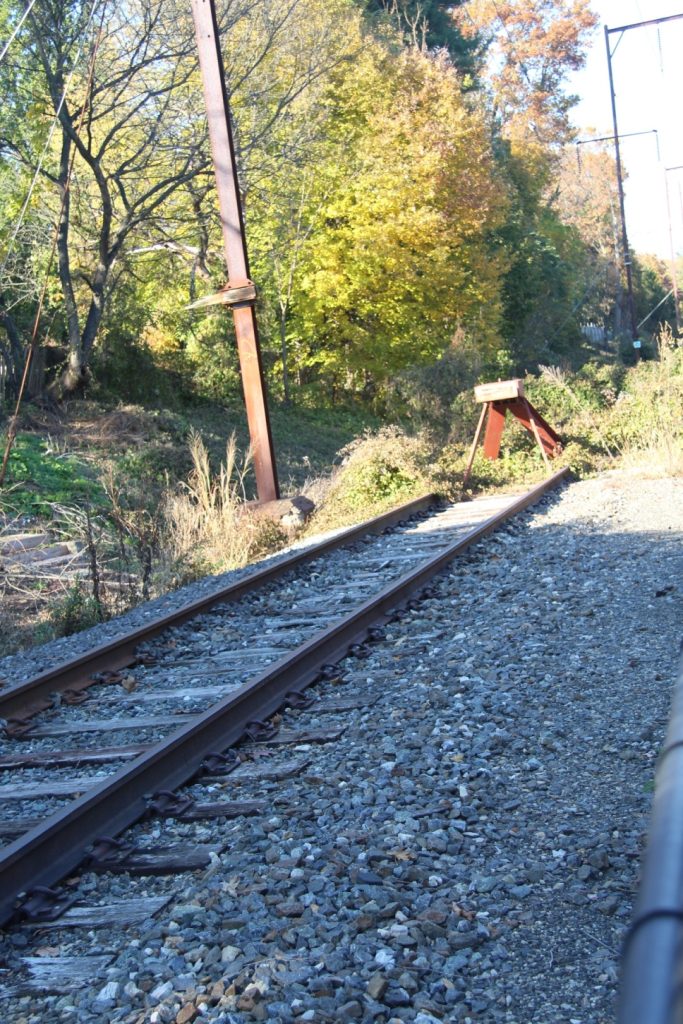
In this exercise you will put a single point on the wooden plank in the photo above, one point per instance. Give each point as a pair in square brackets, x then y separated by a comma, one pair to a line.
[82, 755]
[109, 725]
[53, 787]
[223, 659]
[286, 736]
[193, 692]
[111, 915]
[223, 809]
[17, 826]
[256, 773]
[350, 704]
[59, 974]
[164, 860]
[499, 390]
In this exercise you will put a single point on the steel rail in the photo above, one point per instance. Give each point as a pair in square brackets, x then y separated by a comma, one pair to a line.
[651, 982]
[56, 846]
[119, 652]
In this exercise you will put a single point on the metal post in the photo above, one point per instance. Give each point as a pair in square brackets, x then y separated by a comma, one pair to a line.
[473, 449]
[674, 276]
[239, 293]
[622, 205]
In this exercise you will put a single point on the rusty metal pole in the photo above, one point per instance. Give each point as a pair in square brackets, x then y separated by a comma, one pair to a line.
[239, 293]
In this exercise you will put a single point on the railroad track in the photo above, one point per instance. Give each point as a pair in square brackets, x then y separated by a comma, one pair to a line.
[99, 743]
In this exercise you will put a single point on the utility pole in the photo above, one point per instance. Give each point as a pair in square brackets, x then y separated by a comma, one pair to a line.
[674, 276]
[627, 253]
[622, 204]
[239, 293]
[615, 139]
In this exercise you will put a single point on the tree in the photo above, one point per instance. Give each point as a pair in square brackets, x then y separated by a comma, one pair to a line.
[399, 257]
[432, 24]
[132, 139]
[142, 170]
[584, 195]
[532, 45]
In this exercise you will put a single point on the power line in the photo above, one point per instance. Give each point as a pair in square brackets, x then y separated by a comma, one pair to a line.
[46, 148]
[16, 30]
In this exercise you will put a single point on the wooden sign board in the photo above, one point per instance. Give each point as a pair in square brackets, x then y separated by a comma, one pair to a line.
[499, 390]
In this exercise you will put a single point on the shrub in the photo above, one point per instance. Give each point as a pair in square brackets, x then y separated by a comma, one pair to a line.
[377, 471]
[646, 419]
[76, 611]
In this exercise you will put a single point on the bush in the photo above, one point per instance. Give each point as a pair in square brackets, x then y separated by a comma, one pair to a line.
[647, 415]
[76, 611]
[437, 397]
[377, 472]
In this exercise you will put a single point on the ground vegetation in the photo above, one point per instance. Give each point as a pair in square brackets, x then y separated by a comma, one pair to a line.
[419, 219]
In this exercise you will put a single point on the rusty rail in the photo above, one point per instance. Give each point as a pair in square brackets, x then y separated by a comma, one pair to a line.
[56, 846]
[651, 979]
[120, 652]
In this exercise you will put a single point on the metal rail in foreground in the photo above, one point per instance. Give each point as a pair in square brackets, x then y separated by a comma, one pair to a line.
[56, 846]
[119, 652]
[652, 956]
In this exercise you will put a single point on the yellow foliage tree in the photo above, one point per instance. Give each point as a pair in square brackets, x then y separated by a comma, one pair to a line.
[401, 257]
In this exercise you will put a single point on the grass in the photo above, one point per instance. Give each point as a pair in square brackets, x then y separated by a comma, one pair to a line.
[156, 511]
[206, 527]
[39, 476]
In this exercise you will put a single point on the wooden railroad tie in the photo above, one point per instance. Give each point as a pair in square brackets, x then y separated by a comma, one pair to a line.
[499, 398]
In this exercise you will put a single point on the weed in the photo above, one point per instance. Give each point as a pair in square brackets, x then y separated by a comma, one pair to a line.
[39, 476]
[76, 611]
[206, 526]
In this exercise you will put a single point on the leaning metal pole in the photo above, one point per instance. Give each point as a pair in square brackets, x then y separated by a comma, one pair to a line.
[674, 275]
[239, 292]
[620, 182]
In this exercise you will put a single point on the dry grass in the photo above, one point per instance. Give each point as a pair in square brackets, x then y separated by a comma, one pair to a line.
[206, 525]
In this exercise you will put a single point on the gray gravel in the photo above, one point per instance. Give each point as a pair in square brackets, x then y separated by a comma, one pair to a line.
[194, 665]
[468, 851]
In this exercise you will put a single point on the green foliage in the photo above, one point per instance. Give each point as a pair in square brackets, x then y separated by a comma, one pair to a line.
[389, 205]
[400, 259]
[378, 471]
[74, 612]
[39, 477]
[433, 22]
[437, 397]
[648, 411]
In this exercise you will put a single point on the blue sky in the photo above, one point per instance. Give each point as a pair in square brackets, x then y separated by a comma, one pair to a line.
[648, 78]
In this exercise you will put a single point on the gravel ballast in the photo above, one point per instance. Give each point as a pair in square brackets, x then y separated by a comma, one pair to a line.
[469, 849]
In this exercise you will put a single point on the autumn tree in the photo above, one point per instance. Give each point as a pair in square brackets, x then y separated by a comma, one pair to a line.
[142, 178]
[584, 195]
[399, 258]
[532, 47]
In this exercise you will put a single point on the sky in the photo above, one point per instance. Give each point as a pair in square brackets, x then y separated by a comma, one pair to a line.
[647, 65]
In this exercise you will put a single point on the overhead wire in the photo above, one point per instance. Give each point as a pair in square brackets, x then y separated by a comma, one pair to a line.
[16, 29]
[12, 429]
[46, 148]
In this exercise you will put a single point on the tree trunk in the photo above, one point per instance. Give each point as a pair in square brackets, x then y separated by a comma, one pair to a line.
[283, 350]
[12, 353]
[72, 377]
